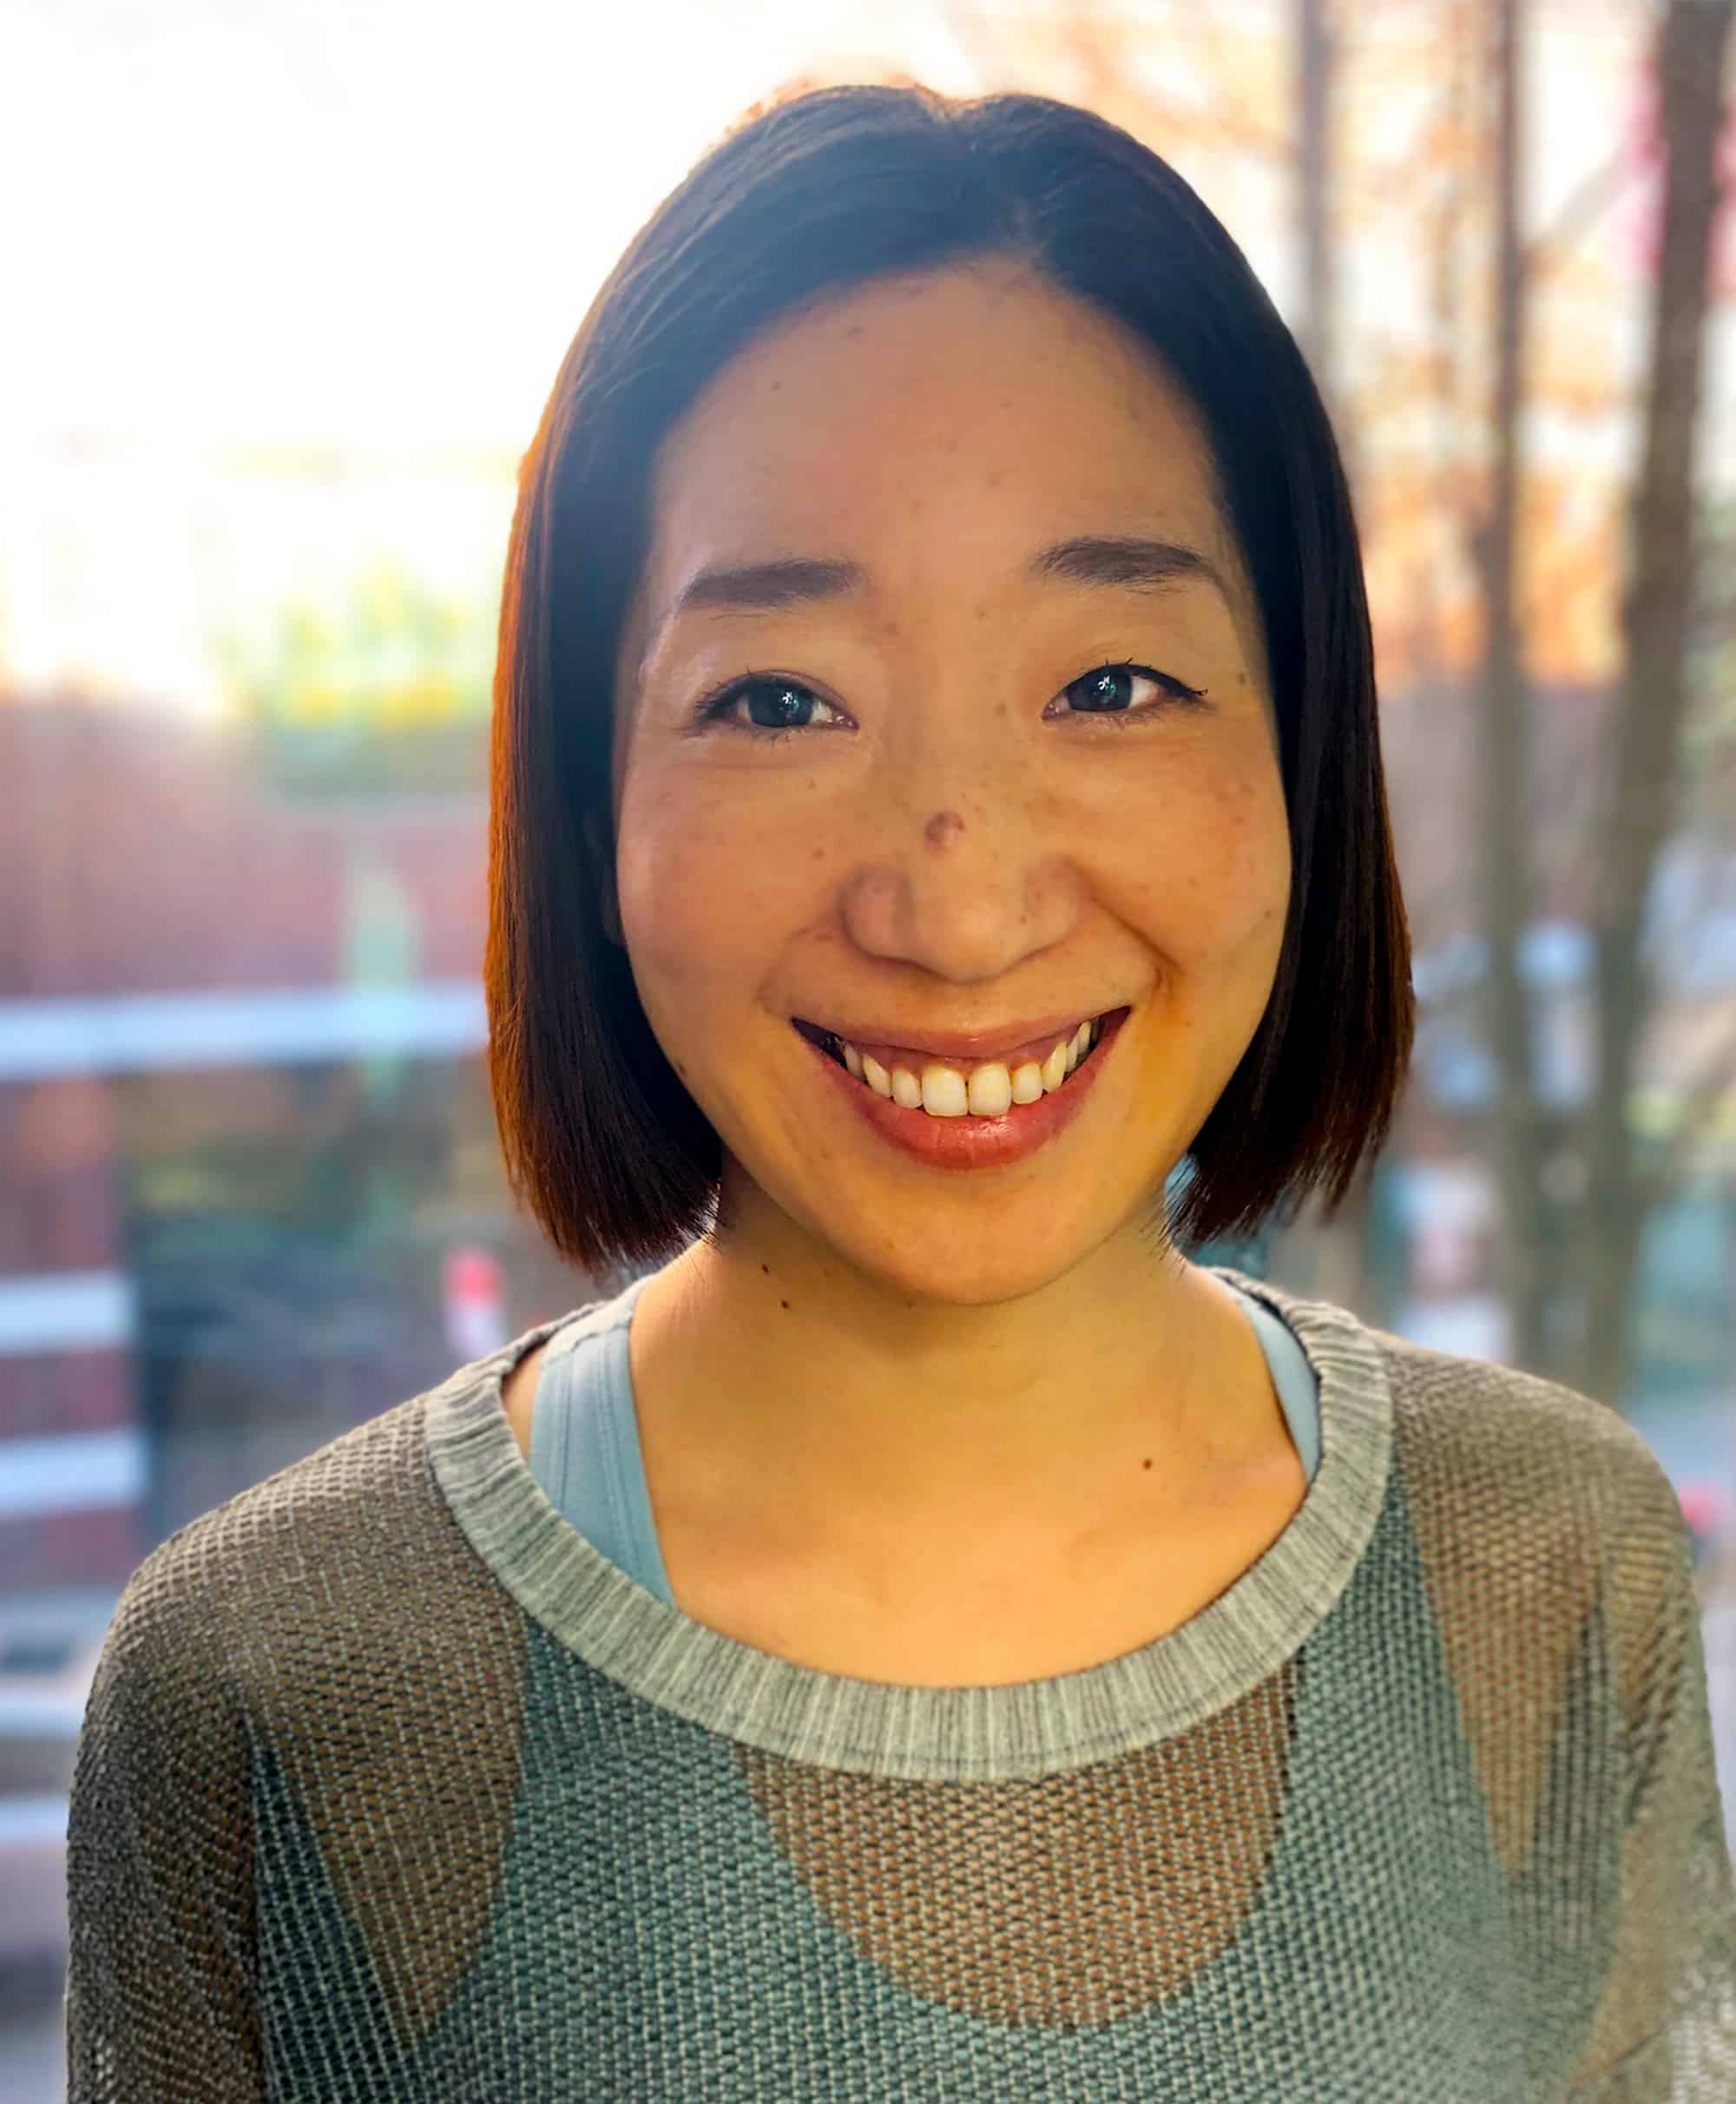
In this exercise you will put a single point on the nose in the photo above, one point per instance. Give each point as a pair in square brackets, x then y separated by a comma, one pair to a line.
[968, 892]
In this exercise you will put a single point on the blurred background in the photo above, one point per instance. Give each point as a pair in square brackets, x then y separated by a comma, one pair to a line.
[289, 286]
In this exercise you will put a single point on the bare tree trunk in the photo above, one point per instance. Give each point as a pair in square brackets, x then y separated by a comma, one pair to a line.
[1506, 753]
[1340, 1266]
[1641, 784]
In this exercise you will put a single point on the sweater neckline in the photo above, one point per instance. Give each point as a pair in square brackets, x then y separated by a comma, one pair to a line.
[1019, 1730]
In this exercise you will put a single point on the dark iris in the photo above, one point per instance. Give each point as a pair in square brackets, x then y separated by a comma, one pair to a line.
[788, 700]
[1104, 690]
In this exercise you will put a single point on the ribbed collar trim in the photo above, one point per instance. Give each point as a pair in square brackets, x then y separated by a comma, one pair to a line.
[979, 1734]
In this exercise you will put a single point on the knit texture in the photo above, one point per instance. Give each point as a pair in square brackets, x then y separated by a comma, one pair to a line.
[391, 1787]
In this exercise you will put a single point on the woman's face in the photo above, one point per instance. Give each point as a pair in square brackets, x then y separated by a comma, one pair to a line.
[947, 836]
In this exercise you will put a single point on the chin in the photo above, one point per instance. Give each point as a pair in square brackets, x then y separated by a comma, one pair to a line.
[955, 1269]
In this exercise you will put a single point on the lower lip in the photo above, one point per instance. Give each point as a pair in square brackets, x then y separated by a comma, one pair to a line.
[968, 1143]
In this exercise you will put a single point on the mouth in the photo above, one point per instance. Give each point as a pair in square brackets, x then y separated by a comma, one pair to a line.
[986, 1115]
[952, 1088]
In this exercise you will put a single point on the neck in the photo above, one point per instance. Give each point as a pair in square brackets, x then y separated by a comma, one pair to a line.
[800, 1386]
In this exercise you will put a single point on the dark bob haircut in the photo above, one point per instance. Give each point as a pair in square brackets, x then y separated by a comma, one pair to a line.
[809, 195]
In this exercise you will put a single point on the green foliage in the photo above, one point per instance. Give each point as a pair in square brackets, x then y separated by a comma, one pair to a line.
[391, 692]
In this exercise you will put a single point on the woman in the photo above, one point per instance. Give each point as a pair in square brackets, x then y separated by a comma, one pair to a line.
[924, 1637]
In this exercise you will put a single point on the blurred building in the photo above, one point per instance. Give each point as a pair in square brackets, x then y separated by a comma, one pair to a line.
[252, 1188]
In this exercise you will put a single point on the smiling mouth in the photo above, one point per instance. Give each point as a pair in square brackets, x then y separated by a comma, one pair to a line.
[950, 1088]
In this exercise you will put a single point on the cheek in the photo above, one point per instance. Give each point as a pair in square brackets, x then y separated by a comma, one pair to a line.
[706, 887]
[1204, 853]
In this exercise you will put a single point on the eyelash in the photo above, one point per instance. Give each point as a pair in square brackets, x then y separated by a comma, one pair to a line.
[713, 708]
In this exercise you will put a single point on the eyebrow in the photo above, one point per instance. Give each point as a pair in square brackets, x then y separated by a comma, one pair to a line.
[1118, 561]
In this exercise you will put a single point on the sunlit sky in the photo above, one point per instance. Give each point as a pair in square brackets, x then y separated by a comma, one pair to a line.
[374, 220]
[242, 231]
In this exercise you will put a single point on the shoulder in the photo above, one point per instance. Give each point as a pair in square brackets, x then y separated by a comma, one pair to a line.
[1518, 1457]
[1537, 1509]
[1546, 1441]
[350, 1549]
[1545, 1525]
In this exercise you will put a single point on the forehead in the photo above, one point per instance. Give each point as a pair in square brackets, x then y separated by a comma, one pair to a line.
[965, 415]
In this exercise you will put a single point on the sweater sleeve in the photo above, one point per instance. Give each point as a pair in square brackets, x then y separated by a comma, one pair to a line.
[160, 1999]
[1668, 2023]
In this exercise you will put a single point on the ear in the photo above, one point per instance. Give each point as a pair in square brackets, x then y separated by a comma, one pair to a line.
[603, 875]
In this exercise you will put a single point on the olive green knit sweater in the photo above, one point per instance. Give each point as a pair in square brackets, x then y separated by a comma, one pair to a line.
[391, 1787]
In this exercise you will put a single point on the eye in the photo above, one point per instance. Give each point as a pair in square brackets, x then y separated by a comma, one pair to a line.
[784, 703]
[1107, 690]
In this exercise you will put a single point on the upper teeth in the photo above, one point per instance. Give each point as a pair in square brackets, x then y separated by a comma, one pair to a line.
[985, 1090]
